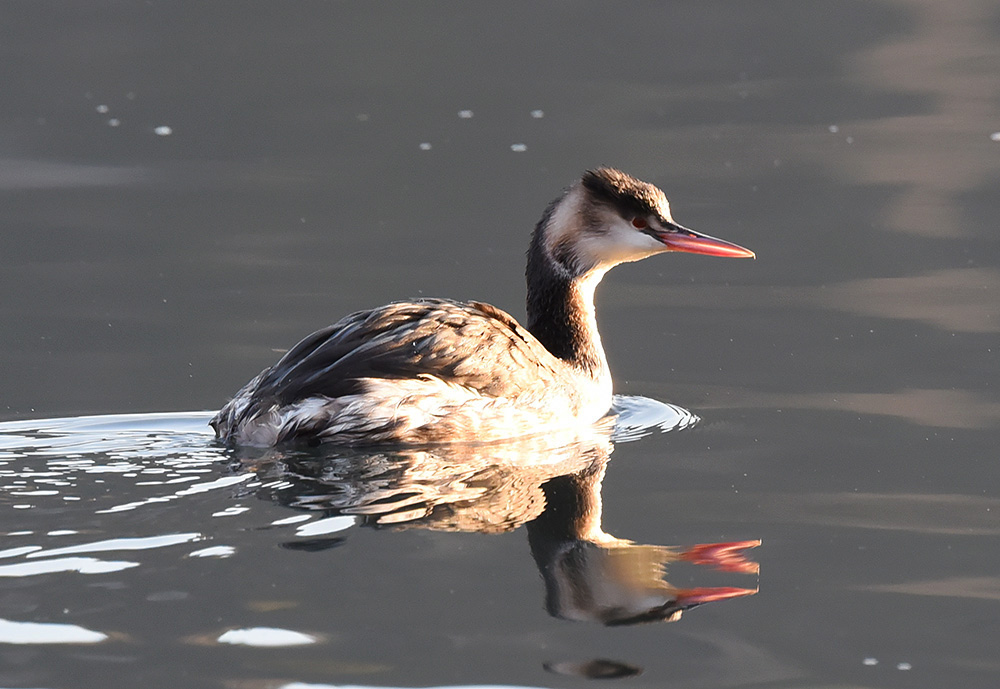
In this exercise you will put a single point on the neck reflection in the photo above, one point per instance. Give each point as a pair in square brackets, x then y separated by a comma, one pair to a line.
[550, 484]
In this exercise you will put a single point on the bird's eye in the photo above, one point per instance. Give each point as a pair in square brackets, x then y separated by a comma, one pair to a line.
[639, 223]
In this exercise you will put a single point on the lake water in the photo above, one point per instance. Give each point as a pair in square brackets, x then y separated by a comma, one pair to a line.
[189, 188]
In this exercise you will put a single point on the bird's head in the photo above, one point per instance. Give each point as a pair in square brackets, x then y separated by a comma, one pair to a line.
[609, 217]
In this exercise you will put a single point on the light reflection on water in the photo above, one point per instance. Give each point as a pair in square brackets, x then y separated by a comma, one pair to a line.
[156, 453]
[101, 485]
[47, 633]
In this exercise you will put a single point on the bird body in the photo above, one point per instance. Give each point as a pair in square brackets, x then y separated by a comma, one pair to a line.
[436, 370]
[429, 370]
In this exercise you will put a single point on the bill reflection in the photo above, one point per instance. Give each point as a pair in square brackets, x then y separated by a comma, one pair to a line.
[551, 485]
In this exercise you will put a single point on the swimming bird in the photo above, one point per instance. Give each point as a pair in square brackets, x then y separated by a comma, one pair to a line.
[437, 370]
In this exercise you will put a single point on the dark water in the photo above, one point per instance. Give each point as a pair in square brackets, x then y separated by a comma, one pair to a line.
[319, 160]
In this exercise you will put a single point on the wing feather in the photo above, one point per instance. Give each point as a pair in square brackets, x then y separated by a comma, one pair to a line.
[471, 344]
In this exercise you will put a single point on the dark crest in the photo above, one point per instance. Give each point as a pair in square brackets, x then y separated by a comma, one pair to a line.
[626, 193]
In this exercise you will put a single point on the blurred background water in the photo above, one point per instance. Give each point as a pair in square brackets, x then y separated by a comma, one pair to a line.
[188, 188]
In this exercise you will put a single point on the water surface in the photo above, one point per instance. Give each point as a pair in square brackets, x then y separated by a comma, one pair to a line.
[325, 157]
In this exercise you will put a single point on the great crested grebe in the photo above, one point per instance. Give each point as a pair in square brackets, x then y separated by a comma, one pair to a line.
[436, 370]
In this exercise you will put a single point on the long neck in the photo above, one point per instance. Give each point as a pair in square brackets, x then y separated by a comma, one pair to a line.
[560, 309]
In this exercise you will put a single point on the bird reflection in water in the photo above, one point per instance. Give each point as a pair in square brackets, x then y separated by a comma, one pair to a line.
[550, 483]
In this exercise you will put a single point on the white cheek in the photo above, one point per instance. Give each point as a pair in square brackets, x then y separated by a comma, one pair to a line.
[619, 245]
